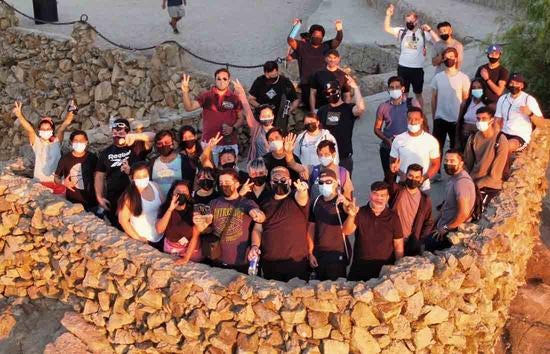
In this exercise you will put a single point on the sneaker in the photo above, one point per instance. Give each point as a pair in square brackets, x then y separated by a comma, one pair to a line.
[176, 30]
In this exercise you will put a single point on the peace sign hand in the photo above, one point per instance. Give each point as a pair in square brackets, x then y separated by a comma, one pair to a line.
[185, 82]
[215, 140]
[351, 82]
[17, 108]
[246, 188]
[238, 88]
[352, 209]
[301, 186]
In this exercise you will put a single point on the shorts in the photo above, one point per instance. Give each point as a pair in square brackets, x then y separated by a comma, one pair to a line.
[176, 11]
[412, 76]
[519, 139]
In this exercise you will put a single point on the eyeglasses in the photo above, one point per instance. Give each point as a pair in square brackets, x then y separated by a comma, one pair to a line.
[119, 126]
[222, 79]
[329, 182]
[282, 180]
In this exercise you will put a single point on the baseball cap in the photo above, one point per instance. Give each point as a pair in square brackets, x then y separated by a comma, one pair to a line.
[327, 172]
[494, 48]
[518, 77]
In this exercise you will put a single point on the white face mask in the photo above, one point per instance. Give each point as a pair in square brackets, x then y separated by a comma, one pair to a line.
[141, 183]
[396, 94]
[45, 134]
[482, 126]
[276, 145]
[414, 128]
[325, 190]
[79, 147]
[325, 160]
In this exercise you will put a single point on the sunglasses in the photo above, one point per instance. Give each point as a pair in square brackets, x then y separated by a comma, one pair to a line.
[329, 182]
[282, 180]
[222, 79]
[119, 126]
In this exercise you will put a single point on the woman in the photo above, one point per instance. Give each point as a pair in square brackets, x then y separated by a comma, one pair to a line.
[138, 207]
[466, 124]
[190, 151]
[205, 187]
[181, 235]
[257, 187]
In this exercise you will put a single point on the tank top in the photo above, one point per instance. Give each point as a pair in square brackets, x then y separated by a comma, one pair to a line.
[144, 224]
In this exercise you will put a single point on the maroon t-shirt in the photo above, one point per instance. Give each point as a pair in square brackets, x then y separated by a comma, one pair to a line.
[217, 110]
[180, 225]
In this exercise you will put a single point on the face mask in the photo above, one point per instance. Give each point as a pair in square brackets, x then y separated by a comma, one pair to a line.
[183, 199]
[444, 36]
[482, 126]
[334, 98]
[477, 93]
[45, 134]
[514, 90]
[206, 184]
[414, 128]
[79, 147]
[259, 181]
[188, 144]
[229, 165]
[227, 191]
[411, 183]
[325, 160]
[280, 188]
[492, 60]
[410, 26]
[450, 63]
[141, 183]
[165, 150]
[396, 94]
[325, 190]
[276, 145]
[266, 122]
[311, 127]
[450, 169]
[316, 40]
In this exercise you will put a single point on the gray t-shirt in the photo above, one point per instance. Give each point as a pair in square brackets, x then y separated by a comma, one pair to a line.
[440, 46]
[406, 208]
[450, 91]
[460, 185]
[46, 157]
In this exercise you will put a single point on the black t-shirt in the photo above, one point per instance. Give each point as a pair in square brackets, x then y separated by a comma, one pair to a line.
[321, 78]
[498, 74]
[328, 231]
[339, 121]
[80, 170]
[264, 196]
[180, 225]
[197, 199]
[273, 93]
[109, 162]
[375, 234]
[310, 59]
[284, 230]
[271, 162]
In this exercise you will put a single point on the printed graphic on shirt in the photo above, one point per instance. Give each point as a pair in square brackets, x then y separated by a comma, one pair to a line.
[118, 159]
[411, 42]
[271, 93]
[333, 118]
[234, 230]
[75, 175]
[228, 105]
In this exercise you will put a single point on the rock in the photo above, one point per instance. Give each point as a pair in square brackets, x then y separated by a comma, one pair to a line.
[317, 319]
[298, 315]
[322, 332]
[304, 330]
[103, 91]
[387, 292]
[119, 320]
[363, 342]
[91, 335]
[7, 322]
[65, 65]
[414, 306]
[66, 343]
[436, 315]
[422, 338]
[37, 220]
[330, 346]
[188, 330]
[54, 209]
[320, 305]
[248, 342]
[159, 279]
[362, 316]
[263, 314]
[400, 328]
[152, 298]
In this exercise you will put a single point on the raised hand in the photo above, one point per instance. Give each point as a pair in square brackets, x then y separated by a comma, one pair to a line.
[72, 107]
[215, 140]
[395, 165]
[185, 82]
[246, 188]
[338, 24]
[301, 186]
[173, 202]
[389, 10]
[296, 21]
[425, 28]
[352, 209]
[238, 88]
[289, 142]
[17, 108]
[125, 167]
[351, 82]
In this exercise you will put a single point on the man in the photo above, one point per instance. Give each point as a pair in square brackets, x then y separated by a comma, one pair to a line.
[321, 78]
[392, 115]
[282, 238]
[227, 158]
[282, 155]
[379, 237]
[416, 146]
[308, 140]
[494, 75]
[339, 118]
[175, 11]
[449, 89]
[447, 41]
[326, 151]
[412, 39]
[329, 251]
[460, 197]
[167, 167]
[516, 114]
[221, 111]
[75, 171]
[486, 155]
[274, 89]
[413, 206]
[232, 219]
[113, 166]
[310, 53]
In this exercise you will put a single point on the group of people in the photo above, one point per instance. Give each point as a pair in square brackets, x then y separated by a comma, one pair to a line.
[292, 209]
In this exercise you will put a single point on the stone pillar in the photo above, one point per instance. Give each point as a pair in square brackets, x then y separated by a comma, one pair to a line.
[7, 17]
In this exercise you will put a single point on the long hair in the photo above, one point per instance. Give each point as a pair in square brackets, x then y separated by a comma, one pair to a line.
[168, 200]
[131, 194]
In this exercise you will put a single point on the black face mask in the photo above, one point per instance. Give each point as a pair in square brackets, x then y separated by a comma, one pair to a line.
[333, 96]
[492, 60]
[165, 150]
[259, 181]
[514, 90]
[444, 36]
[411, 183]
[311, 127]
[183, 199]
[270, 81]
[410, 26]
[188, 144]
[450, 169]
[316, 40]
[227, 191]
[229, 165]
[450, 63]
[206, 184]
[280, 188]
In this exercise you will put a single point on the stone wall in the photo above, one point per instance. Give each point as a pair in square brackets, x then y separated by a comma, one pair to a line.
[136, 300]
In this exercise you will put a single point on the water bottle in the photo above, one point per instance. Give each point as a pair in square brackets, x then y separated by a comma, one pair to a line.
[253, 266]
[295, 29]
[313, 275]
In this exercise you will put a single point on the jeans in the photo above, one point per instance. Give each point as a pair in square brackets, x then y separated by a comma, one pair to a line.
[442, 128]
[385, 158]
[285, 270]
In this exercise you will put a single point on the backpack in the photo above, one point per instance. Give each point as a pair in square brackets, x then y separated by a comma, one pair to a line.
[404, 32]
[507, 171]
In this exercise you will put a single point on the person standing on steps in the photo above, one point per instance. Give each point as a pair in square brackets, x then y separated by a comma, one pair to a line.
[176, 11]
[321, 78]
[494, 76]
[447, 41]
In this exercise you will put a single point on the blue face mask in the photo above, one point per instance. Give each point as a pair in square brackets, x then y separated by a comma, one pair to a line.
[477, 93]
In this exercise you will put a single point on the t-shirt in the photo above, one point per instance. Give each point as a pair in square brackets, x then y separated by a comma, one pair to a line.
[46, 157]
[164, 174]
[485, 159]
[310, 59]
[264, 196]
[440, 46]
[394, 117]
[458, 186]
[328, 231]
[199, 199]
[80, 170]
[219, 110]
[306, 146]
[180, 225]
[271, 162]
[412, 46]
[321, 78]
[175, 2]
[235, 239]
[497, 74]
[450, 90]
[266, 93]
[415, 149]
[109, 162]
[406, 208]
[339, 121]
[470, 116]
[375, 234]
[284, 230]
[515, 122]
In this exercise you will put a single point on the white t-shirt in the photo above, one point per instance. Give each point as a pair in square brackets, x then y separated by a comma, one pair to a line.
[164, 174]
[470, 116]
[450, 90]
[516, 123]
[145, 223]
[415, 149]
[46, 157]
[306, 147]
[412, 46]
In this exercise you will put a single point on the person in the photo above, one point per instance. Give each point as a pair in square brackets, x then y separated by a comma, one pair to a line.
[446, 41]
[281, 154]
[190, 151]
[221, 111]
[326, 151]
[321, 78]
[205, 189]
[175, 222]
[486, 155]
[413, 206]
[494, 76]
[257, 188]
[75, 171]
[233, 217]
[308, 141]
[176, 12]
[339, 119]
[467, 119]
[282, 238]
[274, 89]
[457, 208]
[516, 113]
[391, 118]
[412, 39]
[311, 54]
[46, 145]
[227, 158]
[379, 237]
[113, 166]
[416, 146]
[167, 167]
[449, 89]
[139, 205]
[329, 248]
